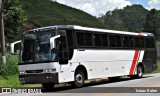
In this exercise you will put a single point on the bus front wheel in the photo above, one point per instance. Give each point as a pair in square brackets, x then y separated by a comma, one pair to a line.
[79, 79]
[48, 85]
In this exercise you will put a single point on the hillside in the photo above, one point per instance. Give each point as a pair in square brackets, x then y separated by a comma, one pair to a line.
[130, 18]
[47, 12]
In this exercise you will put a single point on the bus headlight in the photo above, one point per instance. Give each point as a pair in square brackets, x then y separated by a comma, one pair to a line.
[49, 70]
[21, 72]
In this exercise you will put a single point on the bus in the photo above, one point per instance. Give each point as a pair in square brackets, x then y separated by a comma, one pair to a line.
[73, 54]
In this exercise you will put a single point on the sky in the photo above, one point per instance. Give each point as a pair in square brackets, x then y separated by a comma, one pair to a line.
[99, 7]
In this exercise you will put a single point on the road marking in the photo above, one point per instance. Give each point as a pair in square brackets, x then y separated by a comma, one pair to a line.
[155, 85]
[120, 91]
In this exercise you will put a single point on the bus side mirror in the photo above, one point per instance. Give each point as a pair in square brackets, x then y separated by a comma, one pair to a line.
[15, 47]
[52, 41]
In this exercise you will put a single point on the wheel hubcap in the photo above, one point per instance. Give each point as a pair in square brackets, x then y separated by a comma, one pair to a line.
[79, 78]
[140, 72]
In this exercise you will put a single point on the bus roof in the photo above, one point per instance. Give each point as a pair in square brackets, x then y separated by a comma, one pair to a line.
[93, 29]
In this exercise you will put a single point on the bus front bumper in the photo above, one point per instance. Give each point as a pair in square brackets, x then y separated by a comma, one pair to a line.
[38, 78]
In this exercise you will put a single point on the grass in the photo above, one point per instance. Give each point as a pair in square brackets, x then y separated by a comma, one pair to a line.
[12, 81]
[9, 73]
[11, 65]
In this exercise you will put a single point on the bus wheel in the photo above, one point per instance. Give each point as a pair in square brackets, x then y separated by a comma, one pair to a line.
[48, 85]
[139, 72]
[79, 79]
[113, 78]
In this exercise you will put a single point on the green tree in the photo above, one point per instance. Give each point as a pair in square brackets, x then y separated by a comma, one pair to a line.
[14, 18]
[130, 18]
[152, 23]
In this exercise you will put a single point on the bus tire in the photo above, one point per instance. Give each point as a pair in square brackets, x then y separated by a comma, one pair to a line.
[79, 79]
[48, 85]
[139, 72]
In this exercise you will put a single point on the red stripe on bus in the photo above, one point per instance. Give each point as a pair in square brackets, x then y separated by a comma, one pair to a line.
[139, 34]
[134, 62]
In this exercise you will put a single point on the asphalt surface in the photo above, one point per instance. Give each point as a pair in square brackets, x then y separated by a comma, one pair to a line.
[149, 85]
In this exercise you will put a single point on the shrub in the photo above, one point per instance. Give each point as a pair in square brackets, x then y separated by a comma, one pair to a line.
[11, 66]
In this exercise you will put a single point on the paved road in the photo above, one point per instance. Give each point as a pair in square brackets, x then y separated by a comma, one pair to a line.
[124, 87]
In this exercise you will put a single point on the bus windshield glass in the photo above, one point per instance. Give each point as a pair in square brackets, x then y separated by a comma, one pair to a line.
[36, 47]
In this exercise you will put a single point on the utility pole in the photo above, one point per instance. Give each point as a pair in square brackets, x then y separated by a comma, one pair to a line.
[2, 34]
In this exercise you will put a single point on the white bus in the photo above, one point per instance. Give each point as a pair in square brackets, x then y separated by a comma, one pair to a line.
[73, 54]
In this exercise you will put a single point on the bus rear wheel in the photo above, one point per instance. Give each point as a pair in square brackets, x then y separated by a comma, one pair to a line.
[48, 85]
[79, 79]
[139, 72]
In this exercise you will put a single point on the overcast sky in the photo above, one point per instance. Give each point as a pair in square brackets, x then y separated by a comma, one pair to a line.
[98, 7]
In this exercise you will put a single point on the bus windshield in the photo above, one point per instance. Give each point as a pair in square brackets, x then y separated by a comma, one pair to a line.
[36, 47]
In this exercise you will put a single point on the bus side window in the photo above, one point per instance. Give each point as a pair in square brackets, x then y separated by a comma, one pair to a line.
[112, 41]
[84, 39]
[80, 38]
[118, 41]
[97, 39]
[152, 43]
[125, 42]
[88, 39]
[138, 42]
[142, 43]
[131, 42]
[149, 42]
[104, 38]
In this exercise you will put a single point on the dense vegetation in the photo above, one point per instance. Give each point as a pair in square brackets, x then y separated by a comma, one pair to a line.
[11, 65]
[153, 23]
[133, 18]
[14, 18]
[47, 13]
[130, 18]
